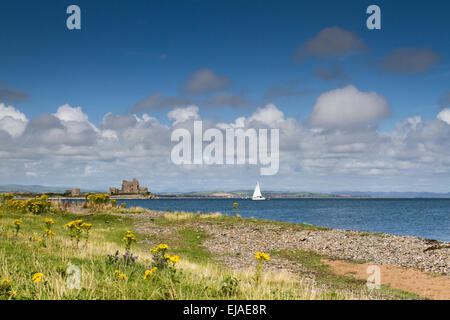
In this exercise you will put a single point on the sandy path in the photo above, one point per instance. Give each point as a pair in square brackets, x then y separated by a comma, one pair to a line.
[408, 279]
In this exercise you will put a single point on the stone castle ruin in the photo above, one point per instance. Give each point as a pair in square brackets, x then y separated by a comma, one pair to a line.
[75, 192]
[129, 187]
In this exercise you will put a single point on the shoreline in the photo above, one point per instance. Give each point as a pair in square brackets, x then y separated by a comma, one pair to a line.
[275, 221]
[161, 197]
[248, 235]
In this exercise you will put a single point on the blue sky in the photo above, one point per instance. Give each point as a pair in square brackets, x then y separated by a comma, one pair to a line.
[127, 52]
[115, 60]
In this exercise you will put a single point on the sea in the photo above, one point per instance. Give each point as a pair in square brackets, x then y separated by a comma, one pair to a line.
[425, 218]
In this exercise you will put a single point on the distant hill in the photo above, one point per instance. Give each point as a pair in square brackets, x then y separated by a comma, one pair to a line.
[302, 194]
[240, 193]
[35, 188]
[396, 194]
[247, 193]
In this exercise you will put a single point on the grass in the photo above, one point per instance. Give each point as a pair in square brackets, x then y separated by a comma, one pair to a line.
[375, 234]
[191, 246]
[198, 275]
[226, 220]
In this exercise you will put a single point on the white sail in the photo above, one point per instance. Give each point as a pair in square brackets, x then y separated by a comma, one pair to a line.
[257, 193]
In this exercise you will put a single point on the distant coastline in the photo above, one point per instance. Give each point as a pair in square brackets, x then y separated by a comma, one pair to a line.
[157, 197]
[26, 191]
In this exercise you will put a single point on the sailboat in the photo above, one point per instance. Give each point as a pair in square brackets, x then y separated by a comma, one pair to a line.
[257, 193]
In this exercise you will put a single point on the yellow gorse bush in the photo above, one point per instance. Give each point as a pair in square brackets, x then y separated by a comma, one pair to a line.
[16, 206]
[97, 198]
[6, 196]
[38, 206]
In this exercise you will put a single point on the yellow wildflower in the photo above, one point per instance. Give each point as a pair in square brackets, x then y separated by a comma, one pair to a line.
[122, 276]
[262, 256]
[17, 222]
[49, 233]
[149, 273]
[49, 221]
[38, 277]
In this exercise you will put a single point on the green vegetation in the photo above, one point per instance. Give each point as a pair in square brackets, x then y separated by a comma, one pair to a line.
[110, 249]
[186, 218]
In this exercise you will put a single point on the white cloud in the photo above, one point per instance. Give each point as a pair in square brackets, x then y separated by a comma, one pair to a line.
[72, 153]
[270, 115]
[348, 108]
[74, 118]
[11, 120]
[67, 113]
[444, 115]
[179, 115]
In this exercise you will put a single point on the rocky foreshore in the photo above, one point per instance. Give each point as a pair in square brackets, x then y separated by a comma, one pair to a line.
[427, 255]
[236, 242]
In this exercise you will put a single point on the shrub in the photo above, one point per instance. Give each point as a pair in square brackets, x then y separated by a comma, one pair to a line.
[229, 286]
[129, 239]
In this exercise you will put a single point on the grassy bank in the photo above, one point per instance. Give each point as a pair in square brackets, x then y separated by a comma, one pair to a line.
[198, 274]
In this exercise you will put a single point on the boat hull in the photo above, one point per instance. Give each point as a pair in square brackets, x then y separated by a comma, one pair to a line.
[259, 198]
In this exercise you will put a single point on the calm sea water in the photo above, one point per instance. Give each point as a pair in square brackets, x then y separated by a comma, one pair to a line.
[426, 218]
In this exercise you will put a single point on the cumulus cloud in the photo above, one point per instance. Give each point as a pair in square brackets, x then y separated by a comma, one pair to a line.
[118, 122]
[410, 60]
[11, 120]
[269, 115]
[348, 108]
[415, 155]
[444, 115]
[204, 81]
[67, 113]
[179, 115]
[330, 43]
